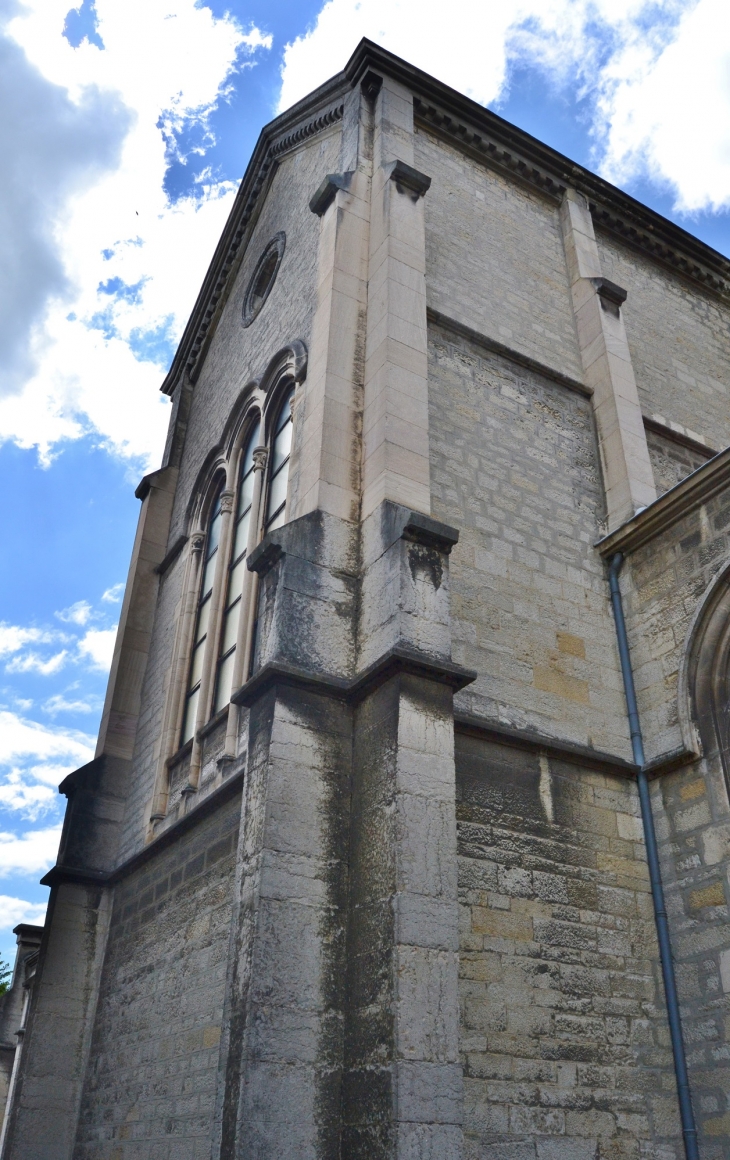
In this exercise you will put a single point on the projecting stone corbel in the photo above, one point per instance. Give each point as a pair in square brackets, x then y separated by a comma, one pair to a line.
[371, 84]
[326, 192]
[612, 296]
[408, 179]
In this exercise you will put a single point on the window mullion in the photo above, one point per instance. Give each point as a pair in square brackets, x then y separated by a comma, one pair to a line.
[210, 655]
[245, 619]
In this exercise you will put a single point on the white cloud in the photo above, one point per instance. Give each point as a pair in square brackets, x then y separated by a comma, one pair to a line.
[32, 852]
[13, 637]
[58, 703]
[21, 739]
[16, 910]
[31, 663]
[666, 108]
[656, 74]
[118, 266]
[114, 594]
[78, 613]
[98, 646]
[34, 760]
[28, 799]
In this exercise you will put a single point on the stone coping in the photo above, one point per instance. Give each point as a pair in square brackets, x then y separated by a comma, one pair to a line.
[395, 661]
[710, 479]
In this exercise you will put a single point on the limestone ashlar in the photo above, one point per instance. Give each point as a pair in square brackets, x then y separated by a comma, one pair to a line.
[392, 901]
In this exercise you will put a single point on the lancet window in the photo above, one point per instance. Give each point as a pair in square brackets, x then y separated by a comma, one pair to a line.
[279, 469]
[216, 629]
[236, 572]
[202, 619]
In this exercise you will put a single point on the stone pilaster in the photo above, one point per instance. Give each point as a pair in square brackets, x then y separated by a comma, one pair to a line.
[604, 349]
[402, 1090]
[326, 467]
[281, 1050]
[341, 1027]
[395, 462]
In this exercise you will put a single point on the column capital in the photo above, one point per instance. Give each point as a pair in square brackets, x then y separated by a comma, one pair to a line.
[260, 458]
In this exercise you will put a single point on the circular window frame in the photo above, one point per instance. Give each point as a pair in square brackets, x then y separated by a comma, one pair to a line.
[249, 311]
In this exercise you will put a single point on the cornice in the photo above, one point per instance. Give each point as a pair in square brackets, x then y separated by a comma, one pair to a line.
[478, 131]
[695, 489]
[474, 130]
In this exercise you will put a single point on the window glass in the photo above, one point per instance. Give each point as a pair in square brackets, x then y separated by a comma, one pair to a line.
[236, 573]
[235, 583]
[196, 665]
[230, 628]
[263, 278]
[277, 493]
[191, 710]
[241, 536]
[201, 620]
[225, 680]
[279, 468]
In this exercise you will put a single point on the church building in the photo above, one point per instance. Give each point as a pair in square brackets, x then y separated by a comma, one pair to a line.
[407, 836]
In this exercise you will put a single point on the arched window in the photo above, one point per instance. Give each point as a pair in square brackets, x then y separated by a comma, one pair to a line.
[202, 620]
[279, 465]
[236, 572]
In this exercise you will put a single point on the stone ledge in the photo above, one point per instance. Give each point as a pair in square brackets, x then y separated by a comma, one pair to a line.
[208, 805]
[506, 352]
[327, 191]
[171, 556]
[682, 437]
[707, 481]
[539, 742]
[406, 177]
[394, 662]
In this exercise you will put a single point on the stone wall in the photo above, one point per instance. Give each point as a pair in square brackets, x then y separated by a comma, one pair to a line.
[495, 258]
[239, 354]
[151, 1088]
[679, 340]
[671, 461]
[563, 1032]
[664, 583]
[514, 467]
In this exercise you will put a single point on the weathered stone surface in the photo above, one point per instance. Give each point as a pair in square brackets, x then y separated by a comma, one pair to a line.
[278, 945]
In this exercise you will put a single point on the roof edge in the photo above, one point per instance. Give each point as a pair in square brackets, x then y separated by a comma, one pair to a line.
[476, 130]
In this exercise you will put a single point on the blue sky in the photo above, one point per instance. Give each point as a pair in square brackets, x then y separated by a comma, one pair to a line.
[126, 129]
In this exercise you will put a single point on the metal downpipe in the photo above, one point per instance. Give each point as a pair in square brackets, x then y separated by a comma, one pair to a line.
[689, 1130]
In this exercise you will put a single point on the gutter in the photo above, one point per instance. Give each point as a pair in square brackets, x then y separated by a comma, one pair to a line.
[686, 1114]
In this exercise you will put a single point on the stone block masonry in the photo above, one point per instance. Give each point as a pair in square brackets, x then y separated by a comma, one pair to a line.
[160, 1008]
[391, 902]
[511, 453]
[563, 1032]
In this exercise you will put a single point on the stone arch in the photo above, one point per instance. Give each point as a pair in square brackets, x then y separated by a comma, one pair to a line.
[704, 685]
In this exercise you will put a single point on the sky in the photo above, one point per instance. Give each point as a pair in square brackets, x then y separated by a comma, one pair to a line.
[125, 130]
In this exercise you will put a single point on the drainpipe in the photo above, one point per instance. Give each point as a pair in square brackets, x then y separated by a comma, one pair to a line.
[689, 1131]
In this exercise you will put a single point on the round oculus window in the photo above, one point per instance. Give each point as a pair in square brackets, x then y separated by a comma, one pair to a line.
[263, 278]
